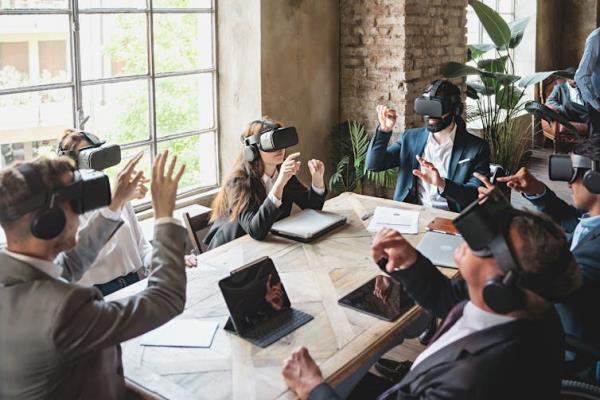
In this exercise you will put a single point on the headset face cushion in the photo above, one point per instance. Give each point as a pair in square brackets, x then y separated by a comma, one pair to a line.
[48, 224]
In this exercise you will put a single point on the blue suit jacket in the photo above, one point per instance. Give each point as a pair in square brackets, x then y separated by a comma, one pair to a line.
[469, 154]
[579, 313]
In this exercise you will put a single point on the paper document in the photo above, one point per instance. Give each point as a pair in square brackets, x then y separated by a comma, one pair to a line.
[403, 221]
[182, 333]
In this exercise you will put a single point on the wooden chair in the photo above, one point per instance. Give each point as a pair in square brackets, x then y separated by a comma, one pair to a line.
[560, 136]
[197, 223]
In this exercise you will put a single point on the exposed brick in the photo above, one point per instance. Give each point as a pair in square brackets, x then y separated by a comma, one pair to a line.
[391, 49]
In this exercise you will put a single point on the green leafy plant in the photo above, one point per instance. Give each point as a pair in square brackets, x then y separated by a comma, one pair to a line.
[497, 91]
[350, 153]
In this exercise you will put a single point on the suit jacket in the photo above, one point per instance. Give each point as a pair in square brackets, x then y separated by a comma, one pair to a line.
[258, 218]
[521, 359]
[61, 341]
[469, 154]
[579, 313]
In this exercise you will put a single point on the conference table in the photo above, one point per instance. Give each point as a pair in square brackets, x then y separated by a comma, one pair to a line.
[344, 342]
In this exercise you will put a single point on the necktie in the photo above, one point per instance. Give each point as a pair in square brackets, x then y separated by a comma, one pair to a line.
[454, 315]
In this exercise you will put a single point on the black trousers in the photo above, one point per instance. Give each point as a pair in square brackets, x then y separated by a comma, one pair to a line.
[594, 120]
[575, 112]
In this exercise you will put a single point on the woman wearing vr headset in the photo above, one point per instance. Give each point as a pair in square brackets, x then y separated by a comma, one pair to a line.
[126, 257]
[436, 162]
[262, 186]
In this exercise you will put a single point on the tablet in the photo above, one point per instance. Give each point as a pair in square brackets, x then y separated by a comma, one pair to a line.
[307, 225]
[389, 302]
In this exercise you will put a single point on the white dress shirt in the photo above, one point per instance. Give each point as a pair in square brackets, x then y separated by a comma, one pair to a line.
[269, 182]
[127, 251]
[474, 319]
[439, 155]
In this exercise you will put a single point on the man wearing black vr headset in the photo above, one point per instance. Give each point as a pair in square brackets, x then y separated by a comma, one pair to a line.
[59, 340]
[581, 221]
[436, 162]
[501, 338]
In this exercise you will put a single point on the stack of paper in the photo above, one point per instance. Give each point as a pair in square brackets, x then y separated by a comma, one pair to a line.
[182, 333]
[403, 221]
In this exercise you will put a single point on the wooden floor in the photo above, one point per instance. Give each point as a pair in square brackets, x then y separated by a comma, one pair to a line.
[538, 165]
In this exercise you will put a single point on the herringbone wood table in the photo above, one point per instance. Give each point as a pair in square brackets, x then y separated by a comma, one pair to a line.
[315, 276]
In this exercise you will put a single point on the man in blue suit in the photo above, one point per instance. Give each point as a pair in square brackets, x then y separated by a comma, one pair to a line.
[437, 161]
[581, 222]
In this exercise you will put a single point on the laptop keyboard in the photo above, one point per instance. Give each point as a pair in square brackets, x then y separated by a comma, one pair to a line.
[277, 327]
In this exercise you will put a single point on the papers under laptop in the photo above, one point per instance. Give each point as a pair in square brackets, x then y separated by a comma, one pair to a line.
[307, 225]
[439, 248]
[182, 333]
[403, 221]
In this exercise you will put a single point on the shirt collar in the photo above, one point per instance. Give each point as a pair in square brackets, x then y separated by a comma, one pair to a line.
[480, 319]
[589, 222]
[448, 140]
[45, 266]
[270, 179]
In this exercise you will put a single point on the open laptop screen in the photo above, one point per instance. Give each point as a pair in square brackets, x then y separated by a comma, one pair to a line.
[254, 294]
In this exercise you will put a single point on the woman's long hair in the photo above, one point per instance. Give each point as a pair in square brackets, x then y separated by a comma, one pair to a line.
[242, 185]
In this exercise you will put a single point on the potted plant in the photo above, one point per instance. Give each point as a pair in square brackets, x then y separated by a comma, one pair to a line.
[350, 145]
[497, 91]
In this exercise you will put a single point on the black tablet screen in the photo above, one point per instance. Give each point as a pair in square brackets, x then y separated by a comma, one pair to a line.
[381, 297]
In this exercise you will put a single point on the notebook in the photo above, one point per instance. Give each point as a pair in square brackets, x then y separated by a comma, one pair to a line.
[307, 225]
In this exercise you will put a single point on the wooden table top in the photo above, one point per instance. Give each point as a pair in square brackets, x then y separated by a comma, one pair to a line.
[315, 276]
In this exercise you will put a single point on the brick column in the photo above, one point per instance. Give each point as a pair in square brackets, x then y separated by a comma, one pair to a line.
[390, 49]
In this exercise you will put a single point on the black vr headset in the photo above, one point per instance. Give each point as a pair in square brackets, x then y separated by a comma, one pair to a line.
[566, 168]
[272, 137]
[430, 104]
[98, 155]
[89, 190]
[484, 225]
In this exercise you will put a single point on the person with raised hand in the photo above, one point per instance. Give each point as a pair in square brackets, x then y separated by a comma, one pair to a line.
[127, 256]
[442, 155]
[61, 340]
[261, 190]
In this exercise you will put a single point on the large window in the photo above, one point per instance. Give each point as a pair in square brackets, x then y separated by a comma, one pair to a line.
[140, 73]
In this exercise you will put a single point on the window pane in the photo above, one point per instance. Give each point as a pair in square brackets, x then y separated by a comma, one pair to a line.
[112, 4]
[182, 42]
[113, 45]
[472, 28]
[184, 104]
[31, 122]
[505, 6]
[182, 3]
[118, 111]
[199, 155]
[143, 165]
[24, 44]
[54, 4]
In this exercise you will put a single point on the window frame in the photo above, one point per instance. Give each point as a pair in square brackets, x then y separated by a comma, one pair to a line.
[77, 84]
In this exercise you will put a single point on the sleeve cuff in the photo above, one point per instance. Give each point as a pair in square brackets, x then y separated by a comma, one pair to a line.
[167, 220]
[319, 191]
[274, 200]
[110, 214]
[537, 196]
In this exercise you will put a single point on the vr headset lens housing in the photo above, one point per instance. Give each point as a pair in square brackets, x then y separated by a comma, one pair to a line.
[98, 155]
[483, 221]
[430, 106]
[564, 167]
[274, 139]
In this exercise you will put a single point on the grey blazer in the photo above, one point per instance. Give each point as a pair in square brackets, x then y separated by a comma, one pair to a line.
[60, 340]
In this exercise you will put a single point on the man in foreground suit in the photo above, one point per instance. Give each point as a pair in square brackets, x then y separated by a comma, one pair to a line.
[436, 162]
[59, 340]
[479, 352]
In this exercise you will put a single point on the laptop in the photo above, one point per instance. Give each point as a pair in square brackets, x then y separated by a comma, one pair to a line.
[259, 308]
[307, 225]
[439, 248]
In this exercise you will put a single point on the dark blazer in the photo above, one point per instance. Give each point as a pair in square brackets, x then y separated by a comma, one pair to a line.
[258, 218]
[521, 359]
[579, 313]
[461, 186]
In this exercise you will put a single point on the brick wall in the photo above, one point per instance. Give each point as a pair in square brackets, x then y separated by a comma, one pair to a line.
[390, 49]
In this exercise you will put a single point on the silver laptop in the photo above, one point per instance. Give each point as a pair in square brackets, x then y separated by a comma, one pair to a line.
[439, 248]
[307, 225]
